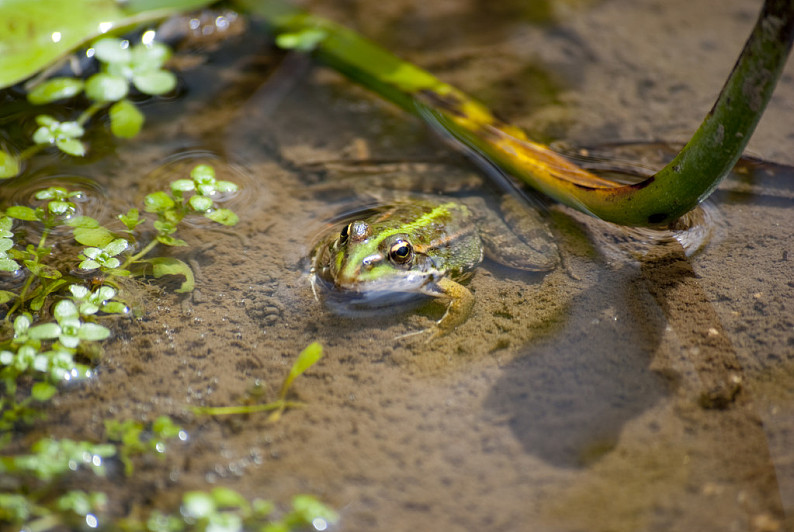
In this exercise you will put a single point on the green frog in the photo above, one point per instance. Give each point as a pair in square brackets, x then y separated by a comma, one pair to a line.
[429, 246]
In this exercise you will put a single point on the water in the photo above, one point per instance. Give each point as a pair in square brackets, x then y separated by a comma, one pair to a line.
[636, 388]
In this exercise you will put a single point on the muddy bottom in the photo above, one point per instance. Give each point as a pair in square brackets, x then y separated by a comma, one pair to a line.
[633, 388]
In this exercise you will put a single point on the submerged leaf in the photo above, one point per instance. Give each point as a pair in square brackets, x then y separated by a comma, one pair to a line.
[170, 266]
[306, 359]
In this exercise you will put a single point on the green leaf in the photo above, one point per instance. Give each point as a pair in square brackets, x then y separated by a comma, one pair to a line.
[167, 240]
[104, 87]
[21, 212]
[226, 186]
[306, 359]
[203, 173]
[55, 89]
[115, 307]
[82, 221]
[89, 264]
[117, 246]
[228, 498]
[38, 301]
[44, 331]
[71, 147]
[197, 505]
[7, 265]
[60, 207]
[223, 216]
[131, 220]
[111, 50]
[125, 119]
[158, 202]
[200, 203]
[9, 165]
[5, 295]
[150, 57]
[42, 391]
[183, 185]
[155, 82]
[65, 309]
[93, 332]
[93, 236]
[170, 266]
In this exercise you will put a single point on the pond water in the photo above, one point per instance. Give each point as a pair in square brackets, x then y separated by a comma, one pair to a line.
[636, 387]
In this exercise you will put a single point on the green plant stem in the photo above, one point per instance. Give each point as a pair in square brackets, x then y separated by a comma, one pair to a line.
[30, 151]
[94, 108]
[654, 201]
[134, 258]
[29, 281]
[278, 405]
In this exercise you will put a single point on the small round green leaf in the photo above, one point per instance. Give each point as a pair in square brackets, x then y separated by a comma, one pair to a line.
[93, 332]
[154, 82]
[9, 165]
[226, 186]
[71, 147]
[112, 51]
[105, 87]
[82, 221]
[93, 236]
[125, 119]
[223, 216]
[7, 265]
[158, 202]
[117, 246]
[64, 309]
[203, 173]
[183, 185]
[150, 57]
[21, 212]
[200, 203]
[55, 89]
[44, 331]
[43, 391]
[115, 307]
[89, 264]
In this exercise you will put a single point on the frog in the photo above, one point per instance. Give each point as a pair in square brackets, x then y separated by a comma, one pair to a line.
[429, 246]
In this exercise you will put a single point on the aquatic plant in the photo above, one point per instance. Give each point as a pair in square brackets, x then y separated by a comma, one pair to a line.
[306, 359]
[121, 66]
[51, 351]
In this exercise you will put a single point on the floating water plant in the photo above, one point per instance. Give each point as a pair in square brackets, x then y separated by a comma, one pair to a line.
[122, 66]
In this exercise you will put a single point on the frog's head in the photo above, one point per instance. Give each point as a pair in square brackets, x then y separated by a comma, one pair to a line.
[363, 262]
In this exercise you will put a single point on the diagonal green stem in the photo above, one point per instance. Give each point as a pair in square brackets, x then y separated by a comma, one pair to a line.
[657, 200]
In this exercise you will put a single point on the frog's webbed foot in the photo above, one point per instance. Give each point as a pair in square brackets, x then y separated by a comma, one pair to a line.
[461, 301]
[521, 240]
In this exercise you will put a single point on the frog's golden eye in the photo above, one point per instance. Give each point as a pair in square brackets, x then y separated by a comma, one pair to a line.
[343, 236]
[401, 251]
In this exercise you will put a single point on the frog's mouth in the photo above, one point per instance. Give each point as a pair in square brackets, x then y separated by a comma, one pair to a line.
[375, 293]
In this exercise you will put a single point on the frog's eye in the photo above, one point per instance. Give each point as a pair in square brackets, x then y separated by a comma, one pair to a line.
[401, 251]
[343, 236]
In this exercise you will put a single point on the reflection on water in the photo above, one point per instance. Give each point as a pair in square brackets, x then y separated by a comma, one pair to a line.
[643, 385]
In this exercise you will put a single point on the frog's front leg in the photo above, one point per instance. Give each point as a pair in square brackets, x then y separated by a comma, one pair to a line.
[461, 301]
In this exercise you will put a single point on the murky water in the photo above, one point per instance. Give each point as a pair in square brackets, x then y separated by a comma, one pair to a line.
[634, 388]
